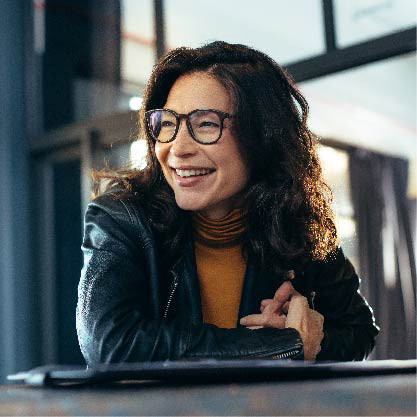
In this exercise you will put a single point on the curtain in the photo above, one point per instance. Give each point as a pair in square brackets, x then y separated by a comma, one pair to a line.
[386, 255]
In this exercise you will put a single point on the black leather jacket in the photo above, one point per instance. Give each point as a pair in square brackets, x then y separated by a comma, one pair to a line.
[132, 309]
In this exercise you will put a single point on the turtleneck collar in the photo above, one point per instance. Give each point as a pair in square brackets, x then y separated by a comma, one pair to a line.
[221, 233]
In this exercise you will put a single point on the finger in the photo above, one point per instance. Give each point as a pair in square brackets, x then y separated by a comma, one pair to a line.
[283, 293]
[299, 302]
[318, 318]
[253, 320]
[320, 321]
[285, 306]
[263, 320]
[272, 308]
[297, 311]
[321, 318]
[318, 343]
[276, 321]
[255, 327]
[264, 303]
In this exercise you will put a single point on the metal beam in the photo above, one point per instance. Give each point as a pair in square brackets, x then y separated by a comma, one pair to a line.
[329, 30]
[364, 53]
[159, 28]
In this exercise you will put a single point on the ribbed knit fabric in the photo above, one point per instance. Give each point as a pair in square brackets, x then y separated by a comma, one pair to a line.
[220, 266]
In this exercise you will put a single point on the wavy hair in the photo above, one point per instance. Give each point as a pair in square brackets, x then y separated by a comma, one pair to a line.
[289, 220]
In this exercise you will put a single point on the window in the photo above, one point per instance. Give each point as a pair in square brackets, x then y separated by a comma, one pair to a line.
[359, 21]
[138, 41]
[335, 165]
[287, 33]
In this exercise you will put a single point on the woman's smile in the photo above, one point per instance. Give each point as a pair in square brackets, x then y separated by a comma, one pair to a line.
[191, 177]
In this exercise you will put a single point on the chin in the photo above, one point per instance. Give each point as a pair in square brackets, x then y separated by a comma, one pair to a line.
[186, 204]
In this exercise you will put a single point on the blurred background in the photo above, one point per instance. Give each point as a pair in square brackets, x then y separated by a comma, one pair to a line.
[72, 75]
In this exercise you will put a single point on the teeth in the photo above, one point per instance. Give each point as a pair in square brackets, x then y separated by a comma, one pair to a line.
[192, 172]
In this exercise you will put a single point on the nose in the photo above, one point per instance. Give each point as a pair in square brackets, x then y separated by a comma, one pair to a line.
[183, 145]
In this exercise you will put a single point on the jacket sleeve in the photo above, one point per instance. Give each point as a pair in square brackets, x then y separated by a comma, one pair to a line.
[349, 324]
[116, 319]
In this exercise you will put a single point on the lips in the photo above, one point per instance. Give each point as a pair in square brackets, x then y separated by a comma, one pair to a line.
[191, 177]
[192, 172]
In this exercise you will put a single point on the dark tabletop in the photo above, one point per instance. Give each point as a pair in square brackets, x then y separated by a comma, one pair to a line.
[387, 395]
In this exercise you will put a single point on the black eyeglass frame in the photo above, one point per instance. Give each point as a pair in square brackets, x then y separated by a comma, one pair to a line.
[222, 115]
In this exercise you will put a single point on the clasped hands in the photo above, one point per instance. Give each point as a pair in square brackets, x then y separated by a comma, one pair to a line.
[289, 309]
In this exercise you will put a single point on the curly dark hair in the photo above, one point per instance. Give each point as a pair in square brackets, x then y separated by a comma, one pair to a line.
[290, 220]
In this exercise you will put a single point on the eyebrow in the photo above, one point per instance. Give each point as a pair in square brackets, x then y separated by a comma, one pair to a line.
[197, 108]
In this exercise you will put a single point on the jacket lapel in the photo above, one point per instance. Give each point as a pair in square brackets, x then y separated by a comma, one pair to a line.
[248, 300]
[189, 287]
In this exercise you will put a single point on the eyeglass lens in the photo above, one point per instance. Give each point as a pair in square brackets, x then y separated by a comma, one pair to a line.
[205, 125]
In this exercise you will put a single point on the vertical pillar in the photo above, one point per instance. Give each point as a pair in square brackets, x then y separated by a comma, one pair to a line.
[18, 349]
[159, 28]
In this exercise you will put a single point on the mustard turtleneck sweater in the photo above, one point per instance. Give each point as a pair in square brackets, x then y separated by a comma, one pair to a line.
[220, 266]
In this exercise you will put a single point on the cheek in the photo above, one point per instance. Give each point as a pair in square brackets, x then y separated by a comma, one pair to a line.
[158, 152]
[161, 154]
[242, 175]
[234, 176]
[237, 168]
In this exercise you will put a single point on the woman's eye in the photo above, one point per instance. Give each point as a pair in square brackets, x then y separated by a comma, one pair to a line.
[167, 123]
[208, 124]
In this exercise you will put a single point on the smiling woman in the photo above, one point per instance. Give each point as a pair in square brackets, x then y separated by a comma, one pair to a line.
[192, 256]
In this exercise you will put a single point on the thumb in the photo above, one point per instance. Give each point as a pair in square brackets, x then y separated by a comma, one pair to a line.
[296, 311]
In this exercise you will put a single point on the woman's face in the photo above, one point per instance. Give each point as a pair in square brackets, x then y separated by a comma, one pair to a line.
[219, 190]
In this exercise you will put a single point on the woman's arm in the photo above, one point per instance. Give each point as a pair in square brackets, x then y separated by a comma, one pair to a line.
[116, 316]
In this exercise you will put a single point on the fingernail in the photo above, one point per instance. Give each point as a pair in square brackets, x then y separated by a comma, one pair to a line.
[243, 321]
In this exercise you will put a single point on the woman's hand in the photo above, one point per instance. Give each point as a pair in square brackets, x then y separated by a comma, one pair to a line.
[273, 310]
[289, 308]
[309, 324]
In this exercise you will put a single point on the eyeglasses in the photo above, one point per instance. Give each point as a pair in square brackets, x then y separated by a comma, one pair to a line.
[205, 126]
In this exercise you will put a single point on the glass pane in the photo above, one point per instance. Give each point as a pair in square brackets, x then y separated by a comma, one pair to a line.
[359, 21]
[137, 49]
[287, 34]
[372, 106]
[335, 165]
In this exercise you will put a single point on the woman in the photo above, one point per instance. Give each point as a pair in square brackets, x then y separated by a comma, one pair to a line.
[219, 246]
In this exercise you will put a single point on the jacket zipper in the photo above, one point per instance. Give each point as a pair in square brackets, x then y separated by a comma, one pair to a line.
[286, 355]
[174, 286]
